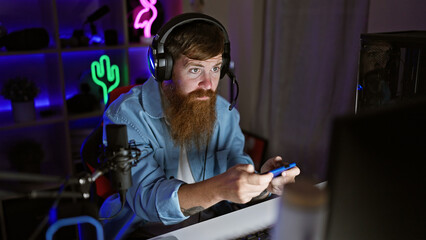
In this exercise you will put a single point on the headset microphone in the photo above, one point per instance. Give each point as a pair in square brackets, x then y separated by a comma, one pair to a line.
[234, 82]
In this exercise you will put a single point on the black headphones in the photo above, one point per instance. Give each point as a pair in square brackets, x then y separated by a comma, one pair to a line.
[161, 63]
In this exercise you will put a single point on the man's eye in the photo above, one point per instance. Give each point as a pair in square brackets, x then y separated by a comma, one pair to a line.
[216, 69]
[194, 70]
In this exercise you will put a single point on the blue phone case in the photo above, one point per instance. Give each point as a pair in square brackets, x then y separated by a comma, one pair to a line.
[278, 171]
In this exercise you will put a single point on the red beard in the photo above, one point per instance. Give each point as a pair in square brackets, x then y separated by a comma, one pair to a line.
[191, 120]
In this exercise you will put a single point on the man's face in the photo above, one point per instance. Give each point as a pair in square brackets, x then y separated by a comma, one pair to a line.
[190, 75]
[191, 96]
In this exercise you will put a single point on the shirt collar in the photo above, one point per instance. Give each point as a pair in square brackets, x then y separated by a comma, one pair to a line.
[151, 98]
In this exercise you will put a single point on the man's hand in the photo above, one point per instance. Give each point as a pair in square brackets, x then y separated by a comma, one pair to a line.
[276, 185]
[240, 183]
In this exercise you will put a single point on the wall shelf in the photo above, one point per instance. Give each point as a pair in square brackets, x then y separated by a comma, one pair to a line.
[60, 70]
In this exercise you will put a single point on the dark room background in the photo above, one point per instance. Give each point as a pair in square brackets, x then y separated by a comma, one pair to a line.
[297, 63]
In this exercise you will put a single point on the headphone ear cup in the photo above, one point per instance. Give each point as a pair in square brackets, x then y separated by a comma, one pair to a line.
[226, 60]
[161, 68]
[225, 68]
[168, 69]
[164, 67]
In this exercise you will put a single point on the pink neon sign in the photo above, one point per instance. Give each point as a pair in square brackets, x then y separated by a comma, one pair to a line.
[146, 24]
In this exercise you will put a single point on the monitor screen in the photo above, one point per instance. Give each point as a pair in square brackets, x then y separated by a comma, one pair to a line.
[377, 175]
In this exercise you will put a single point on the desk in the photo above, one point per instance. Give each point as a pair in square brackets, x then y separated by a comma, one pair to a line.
[231, 225]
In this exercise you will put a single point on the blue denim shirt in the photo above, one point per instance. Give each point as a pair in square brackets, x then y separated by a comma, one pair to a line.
[153, 196]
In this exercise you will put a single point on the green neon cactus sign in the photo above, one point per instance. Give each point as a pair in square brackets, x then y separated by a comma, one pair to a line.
[103, 69]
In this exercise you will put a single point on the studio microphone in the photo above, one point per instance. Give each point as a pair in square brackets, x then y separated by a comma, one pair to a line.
[120, 158]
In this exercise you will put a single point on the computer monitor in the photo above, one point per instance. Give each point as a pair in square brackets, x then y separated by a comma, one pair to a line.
[377, 175]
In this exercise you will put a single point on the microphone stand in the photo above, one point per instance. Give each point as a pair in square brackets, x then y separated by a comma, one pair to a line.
[115, 161]
[84, 182]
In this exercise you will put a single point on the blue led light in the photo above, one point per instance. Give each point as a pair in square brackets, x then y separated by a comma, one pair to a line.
[96, 39]
[6, 106]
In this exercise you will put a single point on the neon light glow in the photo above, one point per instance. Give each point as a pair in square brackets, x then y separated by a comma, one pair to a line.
[146, 24]
[111, 72]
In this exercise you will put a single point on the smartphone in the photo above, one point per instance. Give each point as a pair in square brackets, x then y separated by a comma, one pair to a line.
[277, 171]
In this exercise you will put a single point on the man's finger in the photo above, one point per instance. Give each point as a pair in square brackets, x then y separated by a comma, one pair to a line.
[260, 179]
[245, 167]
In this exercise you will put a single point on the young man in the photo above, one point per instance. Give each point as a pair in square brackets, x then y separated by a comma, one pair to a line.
[191, 143]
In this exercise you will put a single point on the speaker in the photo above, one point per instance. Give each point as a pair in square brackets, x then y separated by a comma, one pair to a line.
[161, 62]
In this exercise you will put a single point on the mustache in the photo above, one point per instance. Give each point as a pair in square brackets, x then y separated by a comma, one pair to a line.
[201, 93]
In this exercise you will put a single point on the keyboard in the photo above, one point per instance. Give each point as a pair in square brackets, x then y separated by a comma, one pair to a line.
[264, 234]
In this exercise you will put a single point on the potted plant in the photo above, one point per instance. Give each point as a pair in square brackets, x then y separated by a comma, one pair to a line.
[21, 92]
